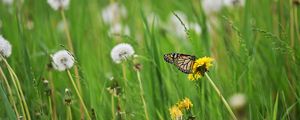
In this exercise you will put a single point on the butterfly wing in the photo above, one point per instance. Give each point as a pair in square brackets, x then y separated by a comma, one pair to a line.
[185, 63]
[169, 57]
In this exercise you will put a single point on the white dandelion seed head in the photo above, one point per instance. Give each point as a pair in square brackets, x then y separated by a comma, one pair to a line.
[175, 25]
[237, 101]
[62, 60]
[5, 47]
[8, 2]
[119, 29]
[233, 3]
[212, 6]
[59, 4]
[113, 12]
[121, 52]
[196, 27]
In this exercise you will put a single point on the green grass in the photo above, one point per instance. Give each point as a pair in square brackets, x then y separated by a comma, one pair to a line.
[256, 52]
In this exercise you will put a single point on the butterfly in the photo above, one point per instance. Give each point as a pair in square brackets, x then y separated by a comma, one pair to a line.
[183, 62]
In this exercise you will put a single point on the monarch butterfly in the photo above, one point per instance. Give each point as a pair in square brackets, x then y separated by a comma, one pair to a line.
[183, 62]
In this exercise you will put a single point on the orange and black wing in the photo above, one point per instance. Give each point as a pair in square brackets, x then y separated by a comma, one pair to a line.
[185, 63]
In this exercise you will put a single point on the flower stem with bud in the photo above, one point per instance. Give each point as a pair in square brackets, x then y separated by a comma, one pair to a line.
[70, 46]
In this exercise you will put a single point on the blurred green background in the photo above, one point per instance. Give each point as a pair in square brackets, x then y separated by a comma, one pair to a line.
[255, 47]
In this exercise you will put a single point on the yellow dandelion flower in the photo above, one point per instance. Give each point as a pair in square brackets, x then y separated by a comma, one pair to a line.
[176, 113]
[185, 104]
[200, 66]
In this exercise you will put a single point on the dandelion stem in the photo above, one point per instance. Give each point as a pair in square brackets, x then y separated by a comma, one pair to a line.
[19, 89]
[9, 92]
[67, 31]
[78, 94]
[220, 95]
[124, 73]
[70, 47]
[142, 95]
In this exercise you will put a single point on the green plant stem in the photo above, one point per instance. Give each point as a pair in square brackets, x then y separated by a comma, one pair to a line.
[9, 92]
[50, 108]
[52, 96]
[67, 31]
[16, 83]
[142, 95]
[21, 93]
[124, 73]
[69, 112]
[221, 96]
[113, 107]
[78, 94]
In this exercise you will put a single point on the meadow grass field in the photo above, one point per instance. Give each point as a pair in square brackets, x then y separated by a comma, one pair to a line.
[253, 45]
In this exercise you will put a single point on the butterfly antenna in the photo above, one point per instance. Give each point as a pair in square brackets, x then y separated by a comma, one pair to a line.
[187, 32]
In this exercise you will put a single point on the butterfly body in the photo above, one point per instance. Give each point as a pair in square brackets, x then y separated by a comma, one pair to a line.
[183, 62]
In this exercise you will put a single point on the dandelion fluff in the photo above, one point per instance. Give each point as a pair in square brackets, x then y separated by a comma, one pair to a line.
[121, 52]
[5, 47]
[62, 60]
[118, 29]
[232, 3]
[113, 12]
[196, 27]
[59, 4]
[8, 2]
[212, 6]
[237, 101]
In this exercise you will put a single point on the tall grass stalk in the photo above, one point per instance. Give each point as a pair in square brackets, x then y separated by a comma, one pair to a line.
[9, 90]
[78, 94]
[17, 85]
[142, 95]
[220, 95]
[71, 48]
